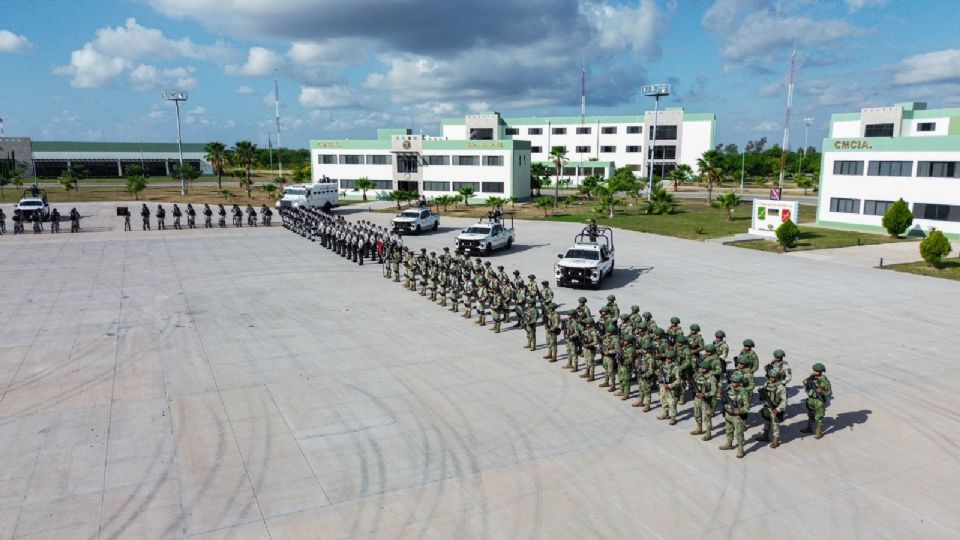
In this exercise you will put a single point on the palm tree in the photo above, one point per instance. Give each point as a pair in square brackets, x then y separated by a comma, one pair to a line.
[364, 184]
[681, 173]
[660, 202]
[270, 189]
[558, 155]
[245, 156]
[545, 204]
[805, 182]
[538, 171]
[728, 201]
[396, 195]
[217, 157]
[711, 169]
[465, 193]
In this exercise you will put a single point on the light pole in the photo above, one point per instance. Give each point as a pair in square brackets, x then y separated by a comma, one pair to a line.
[743, 166]
[176, 98]
[655, 91]
[807, 122]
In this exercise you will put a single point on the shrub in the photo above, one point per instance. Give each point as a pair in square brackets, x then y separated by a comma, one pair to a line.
[934, 248]
[788, 234]
[897, 219]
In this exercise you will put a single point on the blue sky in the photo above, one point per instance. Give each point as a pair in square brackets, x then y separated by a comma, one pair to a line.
[93, 70]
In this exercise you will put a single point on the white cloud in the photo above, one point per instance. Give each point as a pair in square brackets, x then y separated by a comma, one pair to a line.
[245, 90]
[147, 77]
[857, 5]
[639, 28]
[331, 52]
[329, 97]
[929, 68]
[260, 62]
[13, 43]
[114, 51]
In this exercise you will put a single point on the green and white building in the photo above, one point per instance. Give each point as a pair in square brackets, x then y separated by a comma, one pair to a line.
[599, 144]
[879, 155]
[400, 160]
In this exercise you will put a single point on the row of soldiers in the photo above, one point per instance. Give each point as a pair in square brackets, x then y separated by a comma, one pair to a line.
[19, 218]
[631, 347]
[266, 215]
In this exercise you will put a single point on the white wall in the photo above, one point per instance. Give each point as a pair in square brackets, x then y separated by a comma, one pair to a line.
[847, 129]
[886, 188]
[940, 129]
[697, 137]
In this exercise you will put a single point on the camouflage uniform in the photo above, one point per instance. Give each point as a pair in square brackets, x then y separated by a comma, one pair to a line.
[591, 340]
[781, 365]
[546, 298]
[530, 324]
[572, 336]
[748, 351]
[672, 384]
[695, 340]
[628, 360]
[723, 349]
[819, 392]
[496, 308]
[483, 296]
[704, 400]
[735, 407]
[774, 398]
[612, 306]
[646, 376]
[552, 329]
[611, 350]
[583, 312]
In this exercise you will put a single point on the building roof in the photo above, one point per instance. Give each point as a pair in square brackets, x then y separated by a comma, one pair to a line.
[113, 147]
[572, 120]
[428, 144]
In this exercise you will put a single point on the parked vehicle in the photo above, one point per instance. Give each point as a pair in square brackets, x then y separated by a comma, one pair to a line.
[485, 237]
[415, 221]
[588, 261]
[320, 195]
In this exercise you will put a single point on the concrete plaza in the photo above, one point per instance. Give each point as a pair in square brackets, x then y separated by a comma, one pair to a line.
[250, 384]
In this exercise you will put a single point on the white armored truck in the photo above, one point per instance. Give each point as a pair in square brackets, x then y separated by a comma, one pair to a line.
[588, 260]
[320, 195]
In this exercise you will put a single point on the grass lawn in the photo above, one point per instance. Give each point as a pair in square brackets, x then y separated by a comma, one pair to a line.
[950, 269]
[819, 238]
[167, 192]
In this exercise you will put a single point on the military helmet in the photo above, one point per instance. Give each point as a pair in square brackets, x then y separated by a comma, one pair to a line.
[720, 334]
[710, 347]
[486, 263]
[531, 301]
[610, 329]
[779, 353]
[545, 282]
[743, 359]
[647, 315]
[552, 306]
[582, 300]
[736, 377]
[604, 309]
[500, 268]
[674, 320]
[423, 250]
[446, 248]
[819, 367]
[628, 338]
[704, 365]
[588, 320]
[624, 317]
[635, 309]
[681, 338]
[516, 272]
[611, 298]
[694, 327]
[773, 374]
[669, 355]
[572, 313]
[661, 332]
[531, 276]
[433, 253]
[646, 344]
[748, 342]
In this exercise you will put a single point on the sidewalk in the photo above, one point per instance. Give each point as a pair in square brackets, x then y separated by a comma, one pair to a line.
[893, 253]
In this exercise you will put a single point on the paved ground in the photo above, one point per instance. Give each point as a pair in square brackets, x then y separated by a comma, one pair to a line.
[248, 384]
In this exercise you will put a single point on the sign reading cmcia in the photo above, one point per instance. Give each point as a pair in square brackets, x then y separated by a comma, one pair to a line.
[485, 145]
[851, 145]
[768, 215]
[326, 144]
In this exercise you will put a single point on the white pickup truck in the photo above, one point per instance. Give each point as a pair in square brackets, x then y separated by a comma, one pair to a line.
[484, 237]
[29, 205]
[588, 260]
[415, 221]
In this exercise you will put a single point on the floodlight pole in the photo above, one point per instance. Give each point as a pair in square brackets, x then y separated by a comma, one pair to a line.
[655, 91]
[176, 98]
[807, 122]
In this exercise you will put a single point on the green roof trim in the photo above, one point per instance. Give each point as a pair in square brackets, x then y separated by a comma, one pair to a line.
[359, 144]
[699, 117]
[429, 144]
[588, 120]
[945, 143]
[604, 164]
[135, 147]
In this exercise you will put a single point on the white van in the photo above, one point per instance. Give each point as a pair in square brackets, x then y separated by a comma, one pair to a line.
[321, 195]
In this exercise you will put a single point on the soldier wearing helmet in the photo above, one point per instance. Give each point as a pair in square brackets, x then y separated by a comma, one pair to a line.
[705, 392]
[736, 405]
[612, 306]
[609, 353]
[748, 351]
[723, 348]
[773, 397]
[778, 363]
[819, 392]
[591, 341]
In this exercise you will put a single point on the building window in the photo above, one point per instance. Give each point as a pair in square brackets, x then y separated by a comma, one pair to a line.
[876, 208]
[608, 149]
[481, 134]
[845, 206]
[436, 186]
[583, 131]
[556, 148]
[351, 159]
[407, 164]
[466, 160]
[665, 152]
[474, 185]
[378, 160]
[534, 131]
[348, 184]
[938, 169]
[327, 159]
[536, 149]
[493, 161]
[583, 149]
[878, 130]
[936, 212]
[492, 187]
[890, 168]
[665, 133]
[511, 131]
[382, 184]
[848, 168]
[559, 131]
[521, 159]
[634, 149]
[634, 130]
[438, 160]
[608, 130]
[926, 126]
